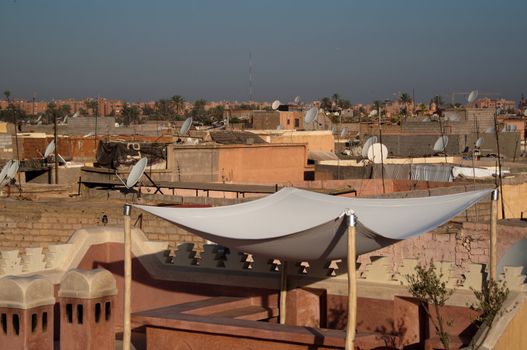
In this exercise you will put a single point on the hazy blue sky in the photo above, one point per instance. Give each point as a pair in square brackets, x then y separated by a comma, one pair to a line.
[364, 50]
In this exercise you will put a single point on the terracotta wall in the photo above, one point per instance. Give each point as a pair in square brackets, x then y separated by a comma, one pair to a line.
[262, 164]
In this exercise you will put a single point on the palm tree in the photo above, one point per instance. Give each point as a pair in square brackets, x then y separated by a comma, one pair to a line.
[93, 105]
[179, 103]
[7, 93]
[405, 99]
[438, 100]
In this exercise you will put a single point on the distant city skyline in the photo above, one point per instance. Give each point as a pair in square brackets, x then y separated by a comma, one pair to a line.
[146, 50]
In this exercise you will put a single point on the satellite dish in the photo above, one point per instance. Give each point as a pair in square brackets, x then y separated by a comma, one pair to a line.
[116, 125]
[441, 144]
[13, 169]
[472, 96]
[427, 119]
[344, 132]
[515, 256]
[297, 100]
[3, 173]
[91, 133]
[50, 149]
[275, 105]
[479, 142]
[370, 141]
[61, 160]
[525, 113]
[377, 153]
[186, 126]
[75, 115]
[373, 113]
[137, 171]
[310, 115]
[490, 130]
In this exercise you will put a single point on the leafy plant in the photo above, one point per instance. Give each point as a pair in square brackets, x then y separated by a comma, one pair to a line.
[427, 286]
[489, 303]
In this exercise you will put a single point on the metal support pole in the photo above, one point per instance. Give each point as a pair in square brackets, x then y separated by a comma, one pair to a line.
[127, 331]
[352, 282]
[283, 291]
[493, 234]
[56, 151]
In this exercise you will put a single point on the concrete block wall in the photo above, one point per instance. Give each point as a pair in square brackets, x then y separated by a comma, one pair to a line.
[26, 224]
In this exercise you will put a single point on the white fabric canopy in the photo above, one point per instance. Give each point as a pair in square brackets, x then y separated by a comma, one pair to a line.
[294, 224]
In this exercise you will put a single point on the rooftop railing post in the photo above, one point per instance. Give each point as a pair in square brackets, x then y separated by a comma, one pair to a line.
[352, 281]
[127, 332]
[493, 234]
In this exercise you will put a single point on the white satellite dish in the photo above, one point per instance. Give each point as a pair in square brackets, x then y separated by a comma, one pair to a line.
[185, 127]
[297, 100]
[427, 119]
[441, 144]
[49, 149]
[137, 171]
[472, 96]
[90, 134]
[479, 142]
[3, 173]
[373, 113]
[377, 153]
[310, 115]
[344, 132]
[13, 169]
[275, 105]
[116, 125]
[525, 113]
[370, 141]
[75, 115]
[61, 160]
[490, 130]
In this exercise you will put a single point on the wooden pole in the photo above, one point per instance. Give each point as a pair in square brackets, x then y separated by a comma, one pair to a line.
[56, 151]
[127, 331]
[283, 291]
[493, 234]
[352, 282]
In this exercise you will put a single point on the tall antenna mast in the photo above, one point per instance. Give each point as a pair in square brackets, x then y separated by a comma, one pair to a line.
[251, 92]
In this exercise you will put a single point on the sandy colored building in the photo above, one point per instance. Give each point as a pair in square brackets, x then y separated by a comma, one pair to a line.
[316, 141]
[261, 163]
